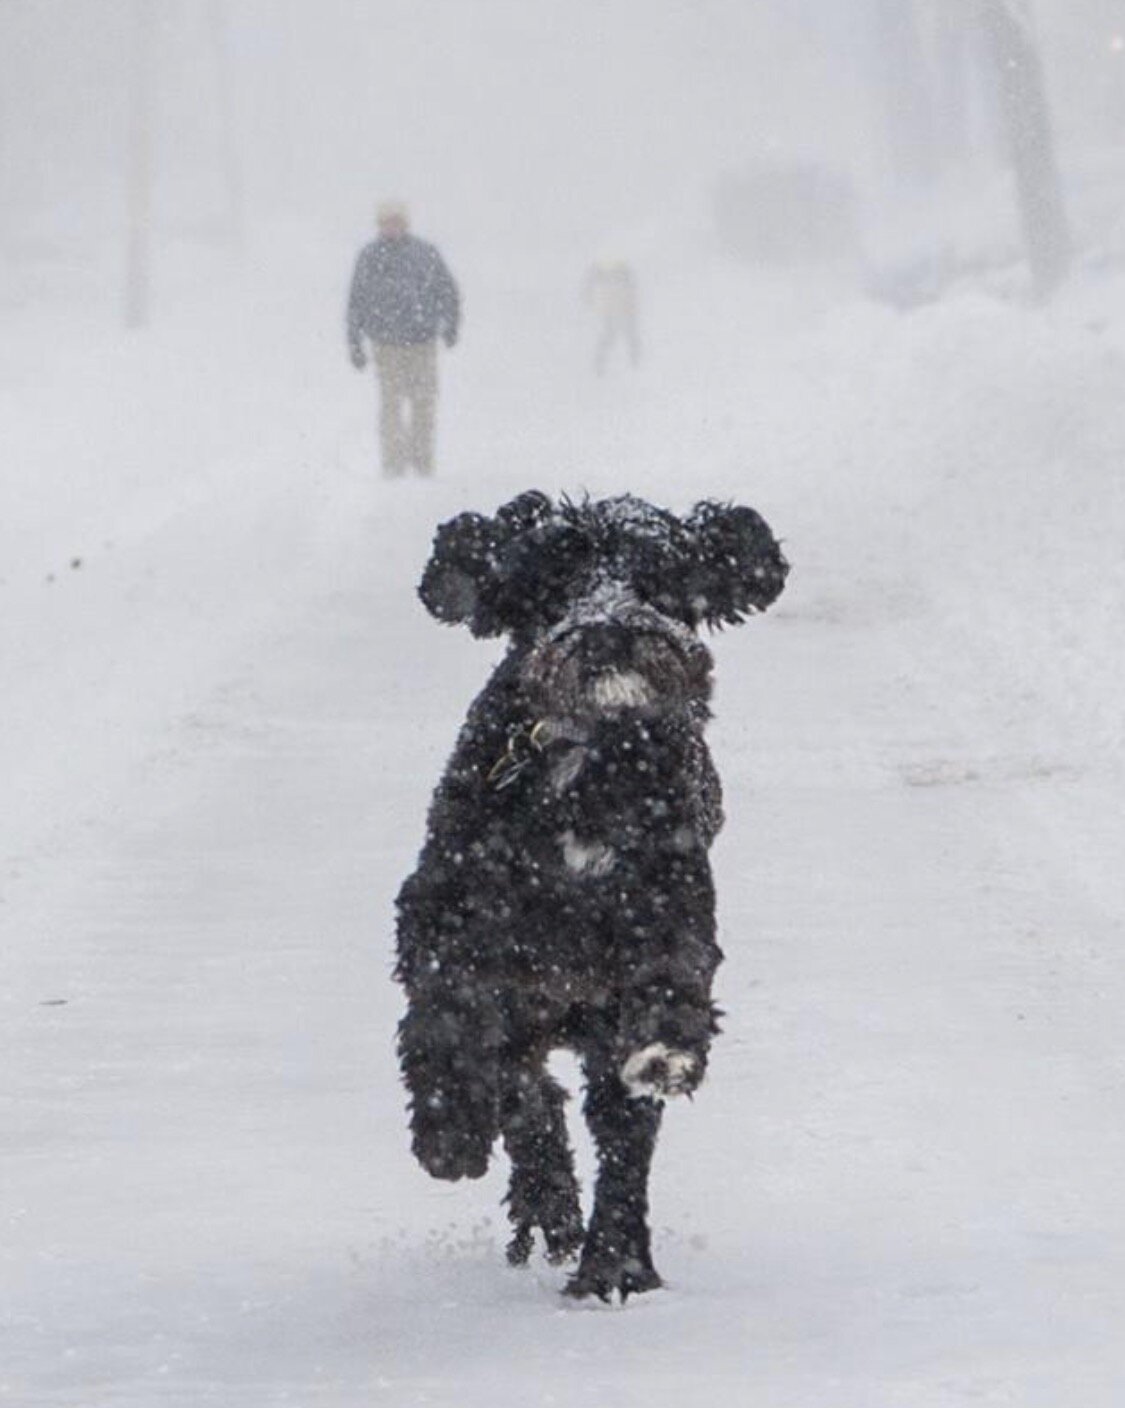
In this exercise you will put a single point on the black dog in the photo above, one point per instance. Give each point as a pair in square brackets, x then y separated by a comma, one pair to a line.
[563, 897]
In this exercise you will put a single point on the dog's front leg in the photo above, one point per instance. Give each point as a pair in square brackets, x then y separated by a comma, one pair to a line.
[617, 1255]
[449, 1050]
[665, 1037]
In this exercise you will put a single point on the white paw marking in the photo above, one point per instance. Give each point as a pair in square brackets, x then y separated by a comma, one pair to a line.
[658, 1071]
[619, 689]
[587, 858]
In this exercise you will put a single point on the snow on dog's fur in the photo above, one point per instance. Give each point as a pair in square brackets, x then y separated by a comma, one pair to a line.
[563, 897]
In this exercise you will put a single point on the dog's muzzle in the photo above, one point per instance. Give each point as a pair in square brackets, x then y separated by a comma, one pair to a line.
[602, 667]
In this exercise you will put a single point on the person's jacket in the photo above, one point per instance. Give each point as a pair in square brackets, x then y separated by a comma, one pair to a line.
[402, 294]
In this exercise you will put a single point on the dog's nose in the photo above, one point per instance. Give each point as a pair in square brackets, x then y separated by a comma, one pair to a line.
[607, 646]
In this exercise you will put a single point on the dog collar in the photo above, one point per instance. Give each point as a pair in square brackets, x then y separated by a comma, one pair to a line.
[525, 743]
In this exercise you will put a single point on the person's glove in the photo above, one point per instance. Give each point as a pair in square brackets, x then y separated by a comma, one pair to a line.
[359, 360]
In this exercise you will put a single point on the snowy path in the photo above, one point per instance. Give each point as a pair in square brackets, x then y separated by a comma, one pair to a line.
[899, 1189]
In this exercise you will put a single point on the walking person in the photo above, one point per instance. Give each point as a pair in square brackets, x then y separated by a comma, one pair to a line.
[402, 299]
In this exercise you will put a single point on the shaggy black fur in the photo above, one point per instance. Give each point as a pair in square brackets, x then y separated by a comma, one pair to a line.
[563, 897]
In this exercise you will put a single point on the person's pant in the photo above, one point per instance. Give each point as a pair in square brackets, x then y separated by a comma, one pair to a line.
[407, 401]
[613, 330]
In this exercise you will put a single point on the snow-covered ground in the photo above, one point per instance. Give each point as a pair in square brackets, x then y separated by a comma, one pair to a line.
[225, 709]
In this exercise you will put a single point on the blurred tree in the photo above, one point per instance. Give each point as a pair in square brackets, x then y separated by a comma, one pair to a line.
[1022, 101]
[234, 222]
[139, 181]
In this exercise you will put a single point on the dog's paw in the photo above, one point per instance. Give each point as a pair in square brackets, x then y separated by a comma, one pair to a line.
[607, 1276]
[658, 1072]
[452, 1154]
[562, 1241]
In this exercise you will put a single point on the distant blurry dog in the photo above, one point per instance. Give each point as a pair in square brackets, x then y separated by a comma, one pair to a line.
[563, 897]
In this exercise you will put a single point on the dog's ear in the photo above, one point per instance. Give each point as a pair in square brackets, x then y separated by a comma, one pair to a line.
[736, 566]
[464, 580]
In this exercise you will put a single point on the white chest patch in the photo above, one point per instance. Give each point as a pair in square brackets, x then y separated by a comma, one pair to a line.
[619, 689]
[587, 857]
